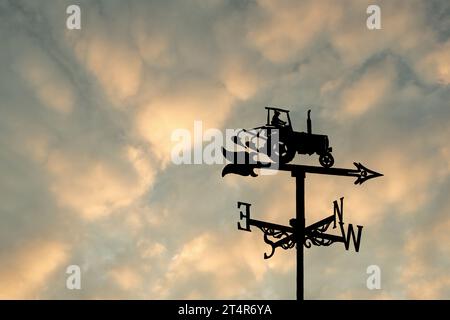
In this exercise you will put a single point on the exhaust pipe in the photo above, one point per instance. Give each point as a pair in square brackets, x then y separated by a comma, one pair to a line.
[308, 122]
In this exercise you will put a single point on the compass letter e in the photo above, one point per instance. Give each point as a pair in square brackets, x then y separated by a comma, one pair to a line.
[245, 216]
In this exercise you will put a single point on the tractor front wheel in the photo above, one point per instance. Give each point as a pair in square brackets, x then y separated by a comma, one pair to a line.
[326, 160]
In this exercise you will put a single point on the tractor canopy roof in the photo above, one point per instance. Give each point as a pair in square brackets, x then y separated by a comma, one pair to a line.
[277, 109]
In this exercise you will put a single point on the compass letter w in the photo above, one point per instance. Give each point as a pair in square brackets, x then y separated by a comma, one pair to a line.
[351, 235]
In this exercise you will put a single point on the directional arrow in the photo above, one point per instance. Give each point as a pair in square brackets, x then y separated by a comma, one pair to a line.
[361, 172]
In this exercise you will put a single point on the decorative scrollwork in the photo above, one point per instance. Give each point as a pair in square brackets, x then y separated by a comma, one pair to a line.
[316, 239]
[286, 240]
[273, 233]
[315, 234]
[307, 243]
[288, 245]
[323, 228]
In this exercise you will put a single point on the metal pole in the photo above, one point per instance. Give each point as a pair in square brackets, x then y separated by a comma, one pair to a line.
[300, 225]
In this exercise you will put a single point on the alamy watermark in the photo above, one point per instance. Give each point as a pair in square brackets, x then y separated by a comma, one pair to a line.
[374, 280]
[73, 281]
[373, 21]
[239, 146]
[73, 21]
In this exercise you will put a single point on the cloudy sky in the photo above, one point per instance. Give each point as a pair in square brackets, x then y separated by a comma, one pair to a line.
[86, 118]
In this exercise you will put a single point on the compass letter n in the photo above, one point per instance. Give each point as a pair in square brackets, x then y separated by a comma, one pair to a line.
[338, 212]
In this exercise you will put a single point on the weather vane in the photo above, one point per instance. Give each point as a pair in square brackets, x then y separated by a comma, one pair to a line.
[272, 147]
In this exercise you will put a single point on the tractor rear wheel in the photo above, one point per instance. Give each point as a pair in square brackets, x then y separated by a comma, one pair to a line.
[326, 160]
[281, 152]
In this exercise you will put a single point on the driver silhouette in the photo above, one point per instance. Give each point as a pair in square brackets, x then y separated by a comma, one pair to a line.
[276, 121]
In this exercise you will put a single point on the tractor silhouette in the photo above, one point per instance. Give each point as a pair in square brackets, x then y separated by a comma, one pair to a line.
[281, 142]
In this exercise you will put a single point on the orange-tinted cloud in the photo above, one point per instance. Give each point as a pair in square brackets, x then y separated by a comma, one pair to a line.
[24, 273]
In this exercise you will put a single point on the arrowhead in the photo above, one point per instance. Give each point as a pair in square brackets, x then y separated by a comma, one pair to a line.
[365, 174]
